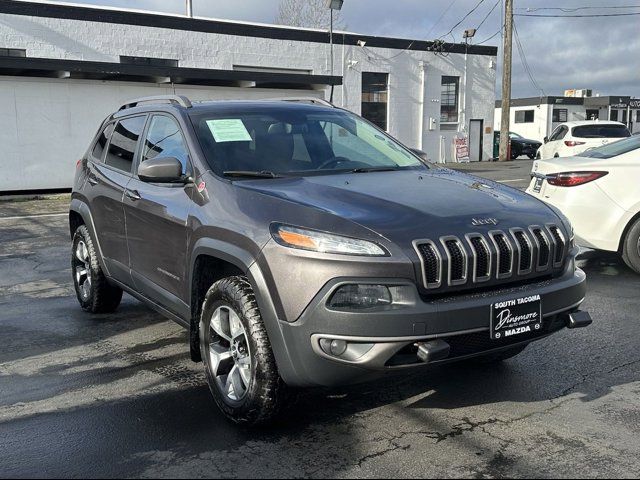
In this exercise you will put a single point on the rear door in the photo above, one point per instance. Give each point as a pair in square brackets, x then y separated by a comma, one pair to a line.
[554, 146]
[156, 216]
[109, 173]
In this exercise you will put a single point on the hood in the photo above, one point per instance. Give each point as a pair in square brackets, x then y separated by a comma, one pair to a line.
[411, 204]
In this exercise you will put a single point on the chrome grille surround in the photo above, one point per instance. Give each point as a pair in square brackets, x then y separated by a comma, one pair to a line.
[463, 262]
[543, 244]
[483, 276]
[524, 257]
[417, 244]
[495, 255]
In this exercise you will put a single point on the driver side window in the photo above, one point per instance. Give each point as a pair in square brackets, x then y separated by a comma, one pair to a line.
[346, 144]
[164, 139]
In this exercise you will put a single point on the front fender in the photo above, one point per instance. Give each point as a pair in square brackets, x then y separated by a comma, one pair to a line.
[246, 263]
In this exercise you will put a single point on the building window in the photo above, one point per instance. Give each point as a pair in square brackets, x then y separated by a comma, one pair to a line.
[559, 115]
[375, 95]
[593, 114]
[13, 52]
[614, 115]
[449, 94]
[148, 61]
[638, 116]
[525, 116]
[624, 116]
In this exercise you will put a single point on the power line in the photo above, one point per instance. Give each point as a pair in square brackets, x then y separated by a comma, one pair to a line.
[488, 14]
[576, 16]
[525, 64]
[441, 17]
[490, 38]
[577, 9]
[463, 19]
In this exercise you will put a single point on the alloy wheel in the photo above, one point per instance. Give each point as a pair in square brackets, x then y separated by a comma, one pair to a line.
[229, 354]
[82, 270]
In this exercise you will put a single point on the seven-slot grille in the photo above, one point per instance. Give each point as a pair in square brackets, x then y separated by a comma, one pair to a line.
[496, 255]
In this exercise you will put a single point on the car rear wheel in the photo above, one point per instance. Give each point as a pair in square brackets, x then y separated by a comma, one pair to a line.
[631, 247]
[94, 292]
[239, 364]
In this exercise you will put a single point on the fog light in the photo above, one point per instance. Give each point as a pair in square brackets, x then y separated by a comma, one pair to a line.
[333, 347]
[360, 297]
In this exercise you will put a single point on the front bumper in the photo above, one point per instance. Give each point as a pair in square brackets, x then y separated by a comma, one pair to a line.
[387, 339]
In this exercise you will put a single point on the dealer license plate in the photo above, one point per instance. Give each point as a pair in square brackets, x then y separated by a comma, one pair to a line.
[511, 318]
[538, 185]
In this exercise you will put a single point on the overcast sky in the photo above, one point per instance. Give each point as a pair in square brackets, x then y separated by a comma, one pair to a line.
[598, 53]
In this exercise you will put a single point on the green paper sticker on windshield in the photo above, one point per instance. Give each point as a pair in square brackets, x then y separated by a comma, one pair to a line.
[228, 130]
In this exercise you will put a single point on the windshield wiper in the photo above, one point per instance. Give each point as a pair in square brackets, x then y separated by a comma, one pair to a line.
[375, 169]
[251, 174]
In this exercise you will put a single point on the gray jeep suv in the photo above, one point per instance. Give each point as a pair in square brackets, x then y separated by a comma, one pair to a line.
[302, 246]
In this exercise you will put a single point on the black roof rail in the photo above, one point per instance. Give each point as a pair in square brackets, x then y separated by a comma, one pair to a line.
[316, 100]
[174, 99]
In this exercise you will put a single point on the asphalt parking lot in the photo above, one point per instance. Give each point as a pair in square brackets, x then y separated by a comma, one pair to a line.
[117, 396]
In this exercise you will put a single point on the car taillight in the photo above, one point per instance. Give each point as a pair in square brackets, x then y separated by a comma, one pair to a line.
[78, 163]
[572, 179]
[573, 143]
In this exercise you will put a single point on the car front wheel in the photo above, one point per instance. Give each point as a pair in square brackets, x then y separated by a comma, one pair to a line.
[239, 364]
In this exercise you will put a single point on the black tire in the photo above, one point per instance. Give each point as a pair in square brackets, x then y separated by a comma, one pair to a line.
[98, 295]
[502, 355]
[264, 391]
[631, 247]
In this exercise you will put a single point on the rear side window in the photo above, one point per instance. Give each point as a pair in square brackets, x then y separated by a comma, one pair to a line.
[601, 131]
[103, 138]
[123, 143]
[559, 133]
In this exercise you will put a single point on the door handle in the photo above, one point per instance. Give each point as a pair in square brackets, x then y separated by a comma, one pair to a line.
[93, 180]
[132, 195]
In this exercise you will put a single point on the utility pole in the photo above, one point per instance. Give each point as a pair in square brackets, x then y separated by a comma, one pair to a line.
[506, 81]
[189, 8]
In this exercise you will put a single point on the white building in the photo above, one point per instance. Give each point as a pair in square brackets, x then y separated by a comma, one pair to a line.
[64, 68]
[537, 117]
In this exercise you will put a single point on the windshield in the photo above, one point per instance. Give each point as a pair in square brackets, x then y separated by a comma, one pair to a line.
[301, 140]
[614, 149]
[514, 135]
[601, 131]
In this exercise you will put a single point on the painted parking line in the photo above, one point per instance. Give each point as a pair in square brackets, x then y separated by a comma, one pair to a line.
[22, 217]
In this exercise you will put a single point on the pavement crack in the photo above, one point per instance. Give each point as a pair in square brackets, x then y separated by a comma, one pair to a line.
[587, 376]
[393, 446]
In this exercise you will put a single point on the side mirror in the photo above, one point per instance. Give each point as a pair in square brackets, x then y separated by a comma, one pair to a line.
[420, 153]
[546, 139]
[161, 170]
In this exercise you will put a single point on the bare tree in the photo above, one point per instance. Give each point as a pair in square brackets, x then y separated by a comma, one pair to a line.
[308, 14]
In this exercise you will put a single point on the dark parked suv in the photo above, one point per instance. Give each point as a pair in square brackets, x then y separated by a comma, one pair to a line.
[302, 246]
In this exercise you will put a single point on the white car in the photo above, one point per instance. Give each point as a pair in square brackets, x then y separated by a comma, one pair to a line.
[599, 192]
[573, 138]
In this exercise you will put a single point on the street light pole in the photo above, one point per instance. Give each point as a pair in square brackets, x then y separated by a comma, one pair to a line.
[189, 8]
[332, 5]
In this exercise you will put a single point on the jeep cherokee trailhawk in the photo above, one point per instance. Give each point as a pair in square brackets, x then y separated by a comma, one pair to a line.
[302, 246]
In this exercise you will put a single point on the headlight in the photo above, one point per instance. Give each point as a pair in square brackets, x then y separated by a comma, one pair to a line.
[306, 239]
